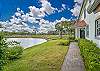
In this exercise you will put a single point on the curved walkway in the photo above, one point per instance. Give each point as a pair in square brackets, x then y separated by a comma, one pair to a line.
[73, 61]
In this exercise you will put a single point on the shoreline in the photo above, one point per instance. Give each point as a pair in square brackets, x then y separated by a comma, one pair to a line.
[28, 42]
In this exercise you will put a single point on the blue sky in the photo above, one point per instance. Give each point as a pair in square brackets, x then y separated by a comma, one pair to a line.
[39, 14]
[8, 8]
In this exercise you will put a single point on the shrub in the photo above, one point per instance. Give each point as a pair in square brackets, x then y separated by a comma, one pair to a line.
[3, 51]
[72, 38]
[76, 39]
[8, 53]
[91, 55]
[14, 52]
[64, 42]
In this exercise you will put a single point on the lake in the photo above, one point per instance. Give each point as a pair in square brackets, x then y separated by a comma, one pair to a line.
[28, 42]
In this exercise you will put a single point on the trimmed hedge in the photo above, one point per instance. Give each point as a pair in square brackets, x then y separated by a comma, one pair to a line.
[91, 55]
[64, 42]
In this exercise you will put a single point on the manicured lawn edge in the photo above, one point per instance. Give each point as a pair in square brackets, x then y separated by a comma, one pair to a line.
[48, 56]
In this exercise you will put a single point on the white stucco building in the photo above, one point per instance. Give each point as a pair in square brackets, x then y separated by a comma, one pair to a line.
[88, 23]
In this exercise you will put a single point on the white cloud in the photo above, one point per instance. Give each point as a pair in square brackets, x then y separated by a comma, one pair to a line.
[64, 6]
[18, 9]
[35, 12]
[46, 7]
[19, 20]
[50, 26]
[46, 26]
[18, 14]
[41, 12]
[76, 10]
[25, 17]
[17, 24]
[68, 8]
[63, 19]
[24, 24]
[31, 19]
[78, 1]
[62, 9]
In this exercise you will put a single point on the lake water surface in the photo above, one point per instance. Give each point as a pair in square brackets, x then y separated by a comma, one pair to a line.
[28, 42]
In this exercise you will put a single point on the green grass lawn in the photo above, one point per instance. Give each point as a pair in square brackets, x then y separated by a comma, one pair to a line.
[48, 56]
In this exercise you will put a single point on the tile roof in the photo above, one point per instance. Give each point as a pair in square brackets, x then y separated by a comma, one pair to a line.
[80, 23]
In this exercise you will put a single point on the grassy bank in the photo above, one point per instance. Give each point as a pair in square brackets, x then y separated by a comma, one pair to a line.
[38, 36]
[48, 56]
[52, 37]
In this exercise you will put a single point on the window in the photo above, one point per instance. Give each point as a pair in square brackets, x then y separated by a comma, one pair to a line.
[97, 28]
[90, 1]
[87, 31]
[84, 13]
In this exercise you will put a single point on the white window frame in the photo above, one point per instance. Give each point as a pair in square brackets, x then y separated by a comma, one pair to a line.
[91, 1]
[87, 31]
[84, 13]
[97, 28]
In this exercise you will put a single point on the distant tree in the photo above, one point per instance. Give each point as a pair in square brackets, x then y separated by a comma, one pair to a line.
[59, 26]
[66, 26]
[1, 25]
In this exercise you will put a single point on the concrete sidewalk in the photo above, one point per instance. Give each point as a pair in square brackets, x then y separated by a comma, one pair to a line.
[73, 61]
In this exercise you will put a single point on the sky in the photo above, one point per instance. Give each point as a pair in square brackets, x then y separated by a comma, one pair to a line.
[34, 13]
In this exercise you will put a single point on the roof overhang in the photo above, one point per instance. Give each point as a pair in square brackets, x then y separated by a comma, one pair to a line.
[80, 24]
[92, 7]
[98, 17]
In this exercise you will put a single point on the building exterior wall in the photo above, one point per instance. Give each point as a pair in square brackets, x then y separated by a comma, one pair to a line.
[90, 20]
